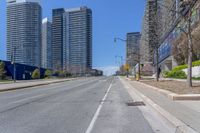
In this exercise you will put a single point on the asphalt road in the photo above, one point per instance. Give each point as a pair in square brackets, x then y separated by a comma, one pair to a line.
[90, 105]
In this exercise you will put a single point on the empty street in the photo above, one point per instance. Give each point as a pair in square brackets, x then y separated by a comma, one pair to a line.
[96, 105]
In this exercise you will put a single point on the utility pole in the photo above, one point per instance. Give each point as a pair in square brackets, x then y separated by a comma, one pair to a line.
[121, 60]
[137, 54]
[123, 40]
[156, 39]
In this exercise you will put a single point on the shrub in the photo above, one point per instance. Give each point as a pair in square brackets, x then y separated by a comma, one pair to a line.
[181, 67]
[48, 73]
[67, 74]
[36, 74]
[165, 74]
[178, 68]
[56, 73]
[2, 70]
[196, 63]
[175, 74]
[59, 73]
[177, 71]
[196, 78]
[178, 74]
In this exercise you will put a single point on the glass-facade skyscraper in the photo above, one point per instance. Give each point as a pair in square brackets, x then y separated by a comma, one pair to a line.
[72, 40]
[46, 48]
[77, 40]
[24, 19]
[57, 38]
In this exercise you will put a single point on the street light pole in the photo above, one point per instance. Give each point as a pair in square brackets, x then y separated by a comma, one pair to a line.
[138, 60]
[121, 60]
[156, 40]
[14, 65]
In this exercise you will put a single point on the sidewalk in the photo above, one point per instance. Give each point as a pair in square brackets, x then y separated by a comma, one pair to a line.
[32, 83]
[186, 111]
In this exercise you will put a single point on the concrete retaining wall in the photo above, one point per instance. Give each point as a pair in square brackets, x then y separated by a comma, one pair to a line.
[195, 71]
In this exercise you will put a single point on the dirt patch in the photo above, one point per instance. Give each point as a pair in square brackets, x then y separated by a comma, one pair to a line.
[175, 86]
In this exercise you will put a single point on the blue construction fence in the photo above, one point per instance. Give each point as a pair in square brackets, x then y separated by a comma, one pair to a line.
[23, 72]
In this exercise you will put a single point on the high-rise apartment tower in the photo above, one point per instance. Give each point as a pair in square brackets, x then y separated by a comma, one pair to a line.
[24, 21]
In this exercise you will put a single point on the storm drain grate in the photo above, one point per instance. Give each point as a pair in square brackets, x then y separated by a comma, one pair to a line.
[135, 103]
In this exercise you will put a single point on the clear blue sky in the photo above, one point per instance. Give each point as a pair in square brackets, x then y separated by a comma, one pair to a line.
[111, 18]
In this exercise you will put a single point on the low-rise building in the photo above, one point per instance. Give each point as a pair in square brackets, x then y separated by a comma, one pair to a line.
[23, 72]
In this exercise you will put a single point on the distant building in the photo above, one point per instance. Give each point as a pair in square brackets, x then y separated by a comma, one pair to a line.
[46, 44]
[57, 38]
[132, 48]
[94, 72]
[24, 21]
[77, 40]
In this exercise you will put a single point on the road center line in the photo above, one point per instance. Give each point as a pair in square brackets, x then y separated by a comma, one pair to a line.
[90, 127]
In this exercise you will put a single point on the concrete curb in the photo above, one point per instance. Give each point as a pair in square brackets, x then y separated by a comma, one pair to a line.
[8, 82]
[184, 97]
[181, 80]
[34, 85]
[173, 96]
[181, 127]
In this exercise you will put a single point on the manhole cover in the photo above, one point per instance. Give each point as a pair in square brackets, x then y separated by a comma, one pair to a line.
[135, 103]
